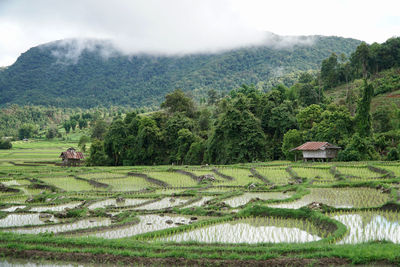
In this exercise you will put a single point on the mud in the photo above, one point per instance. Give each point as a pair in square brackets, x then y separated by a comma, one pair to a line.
[135, 261]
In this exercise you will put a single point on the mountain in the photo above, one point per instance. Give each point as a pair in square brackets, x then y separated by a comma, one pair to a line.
[90, 73]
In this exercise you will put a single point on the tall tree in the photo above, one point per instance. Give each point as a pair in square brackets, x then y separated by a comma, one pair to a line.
[363, 115]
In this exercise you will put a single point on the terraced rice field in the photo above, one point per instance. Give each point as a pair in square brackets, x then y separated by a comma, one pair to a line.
[164, 214]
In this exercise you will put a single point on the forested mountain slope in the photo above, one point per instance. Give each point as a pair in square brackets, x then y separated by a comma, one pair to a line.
[63, 74]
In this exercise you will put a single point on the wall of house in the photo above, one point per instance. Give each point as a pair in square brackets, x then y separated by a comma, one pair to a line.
[320, 154]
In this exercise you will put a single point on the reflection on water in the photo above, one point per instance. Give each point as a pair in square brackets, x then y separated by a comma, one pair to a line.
[251, 230]
[364, 227]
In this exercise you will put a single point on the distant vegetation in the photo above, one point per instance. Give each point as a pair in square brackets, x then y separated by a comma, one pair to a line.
[40, 77]
[250, 125]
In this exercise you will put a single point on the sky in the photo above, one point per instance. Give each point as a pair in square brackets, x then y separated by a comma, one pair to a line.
[189, 26]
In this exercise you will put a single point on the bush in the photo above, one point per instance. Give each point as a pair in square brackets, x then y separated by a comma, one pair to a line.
[393, 154]
[5, 144]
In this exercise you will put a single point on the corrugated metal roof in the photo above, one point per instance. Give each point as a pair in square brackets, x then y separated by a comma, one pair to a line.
[313, 146]
[71, 154]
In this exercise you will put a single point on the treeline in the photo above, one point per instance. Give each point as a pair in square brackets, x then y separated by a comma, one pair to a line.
[250, 125]
[19, 122]
[366, 61]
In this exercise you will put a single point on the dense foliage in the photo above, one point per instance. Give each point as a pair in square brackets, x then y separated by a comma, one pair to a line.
[56, 74]
[252, 125]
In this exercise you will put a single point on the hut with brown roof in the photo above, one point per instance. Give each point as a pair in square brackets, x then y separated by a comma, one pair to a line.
[71, 157]
[323, 151]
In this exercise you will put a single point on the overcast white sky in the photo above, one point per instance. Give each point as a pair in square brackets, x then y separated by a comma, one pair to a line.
[183, 26]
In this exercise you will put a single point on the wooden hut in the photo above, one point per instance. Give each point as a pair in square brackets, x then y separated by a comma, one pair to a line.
[323, 151]
[71, 157]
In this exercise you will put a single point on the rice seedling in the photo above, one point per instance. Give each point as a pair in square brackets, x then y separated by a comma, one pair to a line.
[148, 223]
[275, 175]
[59, 228]
[242, 177]
[199, 203]
[369, 226]
[55, 208]
[130, 183]
[21, 220]
[164, 203]
[315, 173]
[360, 172]
[339, 198]
[101, 175]
[251, 230]
[246, 197]
[173, 178]
[13, 208]
[69, 183]
[113, 202]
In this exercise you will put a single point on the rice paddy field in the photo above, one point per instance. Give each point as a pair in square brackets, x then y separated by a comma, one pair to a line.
[277, 213]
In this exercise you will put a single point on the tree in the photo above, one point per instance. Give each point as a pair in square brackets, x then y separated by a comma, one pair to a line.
[114, 142]
[308, 116]
[97, 155]
[329, 71]
[82, 123]
[292, 139]
[5, 144]
[212, 97]
[148, 142]
[363, 115]
[73, 124]
[237, 137]
[99, 129]
[27, 130]
[83, 141]
[381, 119]
[52, 132]
[177, 101]
[308, 95]
[185, 140]
[361, 57]
[67, 126]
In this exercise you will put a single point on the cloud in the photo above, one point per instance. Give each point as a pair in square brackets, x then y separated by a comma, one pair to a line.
[133, 26]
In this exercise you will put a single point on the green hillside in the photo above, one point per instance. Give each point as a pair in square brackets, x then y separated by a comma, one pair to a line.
[52, 75]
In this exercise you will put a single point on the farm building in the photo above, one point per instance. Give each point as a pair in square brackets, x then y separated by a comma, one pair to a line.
[71, 157]
[318, 151]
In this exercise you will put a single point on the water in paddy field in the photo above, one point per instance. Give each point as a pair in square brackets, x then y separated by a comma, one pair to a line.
[148, 223]
[246, 197]
[339, 198]
[200, 202]
[13, 208]
[81, 224]
[22, 219]
[109, 202]
[250, 230]
[164, 203]
[370, 226]
[55, 208]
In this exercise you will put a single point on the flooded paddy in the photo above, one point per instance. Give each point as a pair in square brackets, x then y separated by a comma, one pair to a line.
[246, 197]
[164, 203]
[13, 208]
[56, 208]
[251, 230]
[339, 198]
[81, 224]
[370, 226]
[148, 223]
[200, 202]
[23, 219]
[114, 202]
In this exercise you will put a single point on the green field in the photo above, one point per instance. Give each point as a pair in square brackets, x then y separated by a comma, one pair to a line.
[165, 215]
